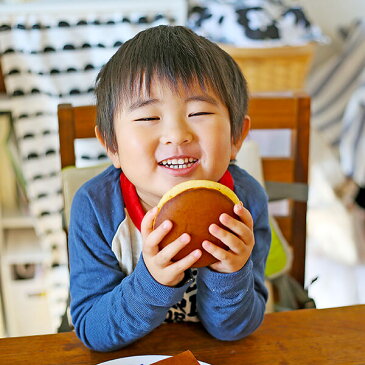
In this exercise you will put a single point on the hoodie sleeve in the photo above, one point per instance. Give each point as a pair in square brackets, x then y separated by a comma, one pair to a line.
[231, 306]
[109, 309]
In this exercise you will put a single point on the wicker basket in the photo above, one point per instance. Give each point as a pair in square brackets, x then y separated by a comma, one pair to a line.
[273, 69]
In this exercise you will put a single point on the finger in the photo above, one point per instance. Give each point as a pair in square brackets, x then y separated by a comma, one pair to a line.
[186, 262]
[167, 253]
[147, 222]
[244, 214]
[236, 226]
[219, 253]
[155, 237]
[233, 242]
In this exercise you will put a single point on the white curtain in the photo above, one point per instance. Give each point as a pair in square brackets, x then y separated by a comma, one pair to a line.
[47, 60]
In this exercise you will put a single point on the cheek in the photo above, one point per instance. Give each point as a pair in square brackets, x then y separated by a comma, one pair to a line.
[220, 141]
[134, 146]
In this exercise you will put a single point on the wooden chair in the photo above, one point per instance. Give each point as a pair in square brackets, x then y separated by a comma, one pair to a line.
[271, 112]
[2, 82]
[293, 113]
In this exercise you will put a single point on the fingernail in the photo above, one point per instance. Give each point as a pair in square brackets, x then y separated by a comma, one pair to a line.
[166, 224]
[212, 228]
[184, 238]
[223, 217]
[238, 207]
[206, 244]
[196, 253]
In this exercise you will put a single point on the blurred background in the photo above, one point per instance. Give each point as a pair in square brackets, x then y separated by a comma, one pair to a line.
[51, 52]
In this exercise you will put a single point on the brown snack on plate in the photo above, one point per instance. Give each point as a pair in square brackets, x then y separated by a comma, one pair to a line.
[184, 358]
[193, 206]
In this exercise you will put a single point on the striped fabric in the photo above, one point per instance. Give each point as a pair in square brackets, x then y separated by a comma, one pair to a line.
[352, 143]
[47, 60]
[338, 95]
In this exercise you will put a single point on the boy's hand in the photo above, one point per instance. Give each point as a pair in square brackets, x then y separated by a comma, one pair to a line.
[159, 263]
[240, 242]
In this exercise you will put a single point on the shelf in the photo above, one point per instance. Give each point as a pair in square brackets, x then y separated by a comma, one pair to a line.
[16, 219]
[22, 247]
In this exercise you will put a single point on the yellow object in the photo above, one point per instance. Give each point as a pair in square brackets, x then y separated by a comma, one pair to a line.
[280, 255]
[273, 69]
[194, 184]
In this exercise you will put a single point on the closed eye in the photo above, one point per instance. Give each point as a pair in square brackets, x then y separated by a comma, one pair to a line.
[198, 114]
[146, 119]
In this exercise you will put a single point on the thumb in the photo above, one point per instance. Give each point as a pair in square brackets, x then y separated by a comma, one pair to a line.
[147, 222]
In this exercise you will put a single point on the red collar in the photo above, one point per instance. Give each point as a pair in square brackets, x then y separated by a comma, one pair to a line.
[134, 206]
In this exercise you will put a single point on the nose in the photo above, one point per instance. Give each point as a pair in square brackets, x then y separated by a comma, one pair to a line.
[176, 133]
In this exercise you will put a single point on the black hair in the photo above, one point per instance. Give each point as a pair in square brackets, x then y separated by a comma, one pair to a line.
[173, 54]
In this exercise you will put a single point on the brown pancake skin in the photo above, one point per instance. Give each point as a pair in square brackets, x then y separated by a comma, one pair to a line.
[193, 211]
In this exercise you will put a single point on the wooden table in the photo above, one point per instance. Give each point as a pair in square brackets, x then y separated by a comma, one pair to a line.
[313, 336]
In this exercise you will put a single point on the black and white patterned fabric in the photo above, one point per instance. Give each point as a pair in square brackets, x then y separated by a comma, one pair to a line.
[337, 89]
[252, 23]
[186, 309]
[47, 60]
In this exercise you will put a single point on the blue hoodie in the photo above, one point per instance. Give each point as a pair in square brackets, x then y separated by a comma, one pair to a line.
[115, 300]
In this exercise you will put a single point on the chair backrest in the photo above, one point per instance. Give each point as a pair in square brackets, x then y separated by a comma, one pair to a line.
[74, 122]
[292, 112]
[267, 112]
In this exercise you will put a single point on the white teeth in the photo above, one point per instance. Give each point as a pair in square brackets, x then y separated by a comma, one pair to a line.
[181, 163]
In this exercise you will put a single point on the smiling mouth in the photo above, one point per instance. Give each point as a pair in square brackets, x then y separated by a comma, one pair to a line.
[178, 163]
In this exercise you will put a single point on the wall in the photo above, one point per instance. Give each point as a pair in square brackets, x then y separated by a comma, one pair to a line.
[330, 15]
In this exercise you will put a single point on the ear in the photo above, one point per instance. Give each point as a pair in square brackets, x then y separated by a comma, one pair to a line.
[113, 156]
[236, 146]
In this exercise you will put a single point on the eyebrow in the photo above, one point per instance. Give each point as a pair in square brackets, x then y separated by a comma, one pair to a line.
[141, 103]
[144, 102]
[204, 98]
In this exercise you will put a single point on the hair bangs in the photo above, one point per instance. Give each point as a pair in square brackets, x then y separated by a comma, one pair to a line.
[173, 67]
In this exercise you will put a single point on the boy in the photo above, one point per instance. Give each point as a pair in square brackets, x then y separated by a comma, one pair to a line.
[171, 107]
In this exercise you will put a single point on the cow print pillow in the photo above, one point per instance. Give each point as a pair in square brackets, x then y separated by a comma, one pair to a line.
[252, 23]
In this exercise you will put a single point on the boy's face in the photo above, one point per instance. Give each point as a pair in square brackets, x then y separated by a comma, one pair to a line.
[169, 137]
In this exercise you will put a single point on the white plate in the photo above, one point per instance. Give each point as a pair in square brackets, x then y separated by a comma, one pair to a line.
[139, 360]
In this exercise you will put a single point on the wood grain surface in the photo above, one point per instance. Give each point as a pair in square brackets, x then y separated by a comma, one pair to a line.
[313, 336]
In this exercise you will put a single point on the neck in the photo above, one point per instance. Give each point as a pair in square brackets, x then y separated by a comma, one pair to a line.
[147, 202]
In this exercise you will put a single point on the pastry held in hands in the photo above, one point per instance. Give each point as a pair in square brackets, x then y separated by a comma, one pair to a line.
[193, 206]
